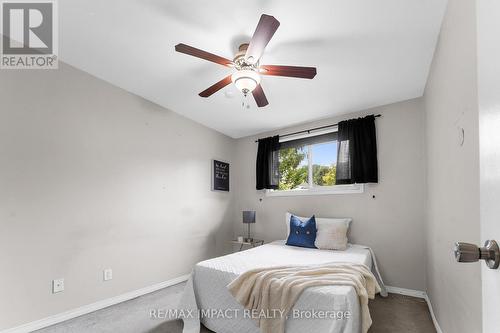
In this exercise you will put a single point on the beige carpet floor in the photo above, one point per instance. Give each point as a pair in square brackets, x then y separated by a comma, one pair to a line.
[397, 313]
[394, 314]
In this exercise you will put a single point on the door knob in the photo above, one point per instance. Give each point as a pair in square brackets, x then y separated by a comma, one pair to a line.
[465, 252]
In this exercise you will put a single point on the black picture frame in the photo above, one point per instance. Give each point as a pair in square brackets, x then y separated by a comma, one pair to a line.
[220, 176]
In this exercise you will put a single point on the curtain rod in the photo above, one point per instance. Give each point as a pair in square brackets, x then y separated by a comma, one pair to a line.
[308, 131]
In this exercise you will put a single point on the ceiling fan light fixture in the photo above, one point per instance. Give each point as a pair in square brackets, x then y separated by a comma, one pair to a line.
[246, 63]
[246, 80]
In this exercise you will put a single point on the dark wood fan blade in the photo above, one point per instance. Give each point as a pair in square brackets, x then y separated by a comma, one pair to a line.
[216, 87]
[290, 71]
[192, 51]
[259, 96]
[265, 30]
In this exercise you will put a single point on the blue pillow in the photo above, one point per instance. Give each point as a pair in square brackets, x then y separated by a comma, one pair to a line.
[302, 234]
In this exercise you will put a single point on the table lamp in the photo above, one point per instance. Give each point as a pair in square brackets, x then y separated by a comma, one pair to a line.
[248, 218]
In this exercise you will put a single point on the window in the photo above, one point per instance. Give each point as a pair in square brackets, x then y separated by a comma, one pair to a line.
[294, 168]
[307, 165]
[323, 157]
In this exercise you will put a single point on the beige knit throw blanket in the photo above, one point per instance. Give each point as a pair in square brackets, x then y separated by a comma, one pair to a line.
[276, 289]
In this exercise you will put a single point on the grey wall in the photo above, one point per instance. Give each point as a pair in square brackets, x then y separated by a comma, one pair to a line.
[93, 177]
[392, 223]
[453, 171]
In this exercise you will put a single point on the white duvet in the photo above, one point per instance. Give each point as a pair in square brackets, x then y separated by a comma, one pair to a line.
[207, 290]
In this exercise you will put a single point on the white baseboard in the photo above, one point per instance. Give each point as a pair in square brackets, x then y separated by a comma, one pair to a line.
[434, 320]
[406, 292]
[55, 319]
[418, 294]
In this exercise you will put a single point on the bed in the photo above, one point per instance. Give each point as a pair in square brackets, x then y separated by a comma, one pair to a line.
[207, 289]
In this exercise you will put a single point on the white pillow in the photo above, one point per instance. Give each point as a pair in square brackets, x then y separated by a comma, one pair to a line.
[332, 236]
[331, 232]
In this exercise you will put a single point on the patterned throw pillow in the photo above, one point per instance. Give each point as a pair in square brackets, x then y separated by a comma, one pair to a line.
[302, 234]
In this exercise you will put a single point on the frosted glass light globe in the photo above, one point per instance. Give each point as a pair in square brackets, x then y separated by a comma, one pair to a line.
[245, 80]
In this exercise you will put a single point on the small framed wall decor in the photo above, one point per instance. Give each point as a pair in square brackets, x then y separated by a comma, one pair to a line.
[220, 176]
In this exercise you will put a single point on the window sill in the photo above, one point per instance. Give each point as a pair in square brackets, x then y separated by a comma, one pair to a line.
[338, 189]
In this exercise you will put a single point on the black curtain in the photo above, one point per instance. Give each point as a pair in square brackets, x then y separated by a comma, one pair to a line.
[267, 168]
[357, 151]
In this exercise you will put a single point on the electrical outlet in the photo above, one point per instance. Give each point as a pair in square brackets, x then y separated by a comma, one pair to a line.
[107, 274]
[57, 285]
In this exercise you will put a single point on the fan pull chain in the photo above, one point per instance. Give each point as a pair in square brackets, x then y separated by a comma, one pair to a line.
[244, 102]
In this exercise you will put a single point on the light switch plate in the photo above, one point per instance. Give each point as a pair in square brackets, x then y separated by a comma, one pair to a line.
[57, 285]
[107, 274]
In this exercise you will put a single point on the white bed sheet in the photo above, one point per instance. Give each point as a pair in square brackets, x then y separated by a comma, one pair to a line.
[207, 289]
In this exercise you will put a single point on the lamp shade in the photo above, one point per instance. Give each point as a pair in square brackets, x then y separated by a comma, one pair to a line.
[248, 216]
[245, 80]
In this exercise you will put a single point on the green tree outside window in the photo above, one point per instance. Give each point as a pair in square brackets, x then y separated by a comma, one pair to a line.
[294, 173]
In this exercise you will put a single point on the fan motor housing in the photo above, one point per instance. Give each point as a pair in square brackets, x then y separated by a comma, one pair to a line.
[239, 59]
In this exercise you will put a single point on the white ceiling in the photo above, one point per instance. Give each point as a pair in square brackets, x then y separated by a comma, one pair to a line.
[368, 53]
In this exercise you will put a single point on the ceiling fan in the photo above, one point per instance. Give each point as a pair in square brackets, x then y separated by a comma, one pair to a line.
[247, 70]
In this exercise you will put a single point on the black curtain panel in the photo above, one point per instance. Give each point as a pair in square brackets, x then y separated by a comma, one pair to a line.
[357, 151]
[267, 167]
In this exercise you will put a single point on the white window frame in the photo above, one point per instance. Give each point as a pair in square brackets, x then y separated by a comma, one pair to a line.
[312, 190]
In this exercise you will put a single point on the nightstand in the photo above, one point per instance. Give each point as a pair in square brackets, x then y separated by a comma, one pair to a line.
[254, 243]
